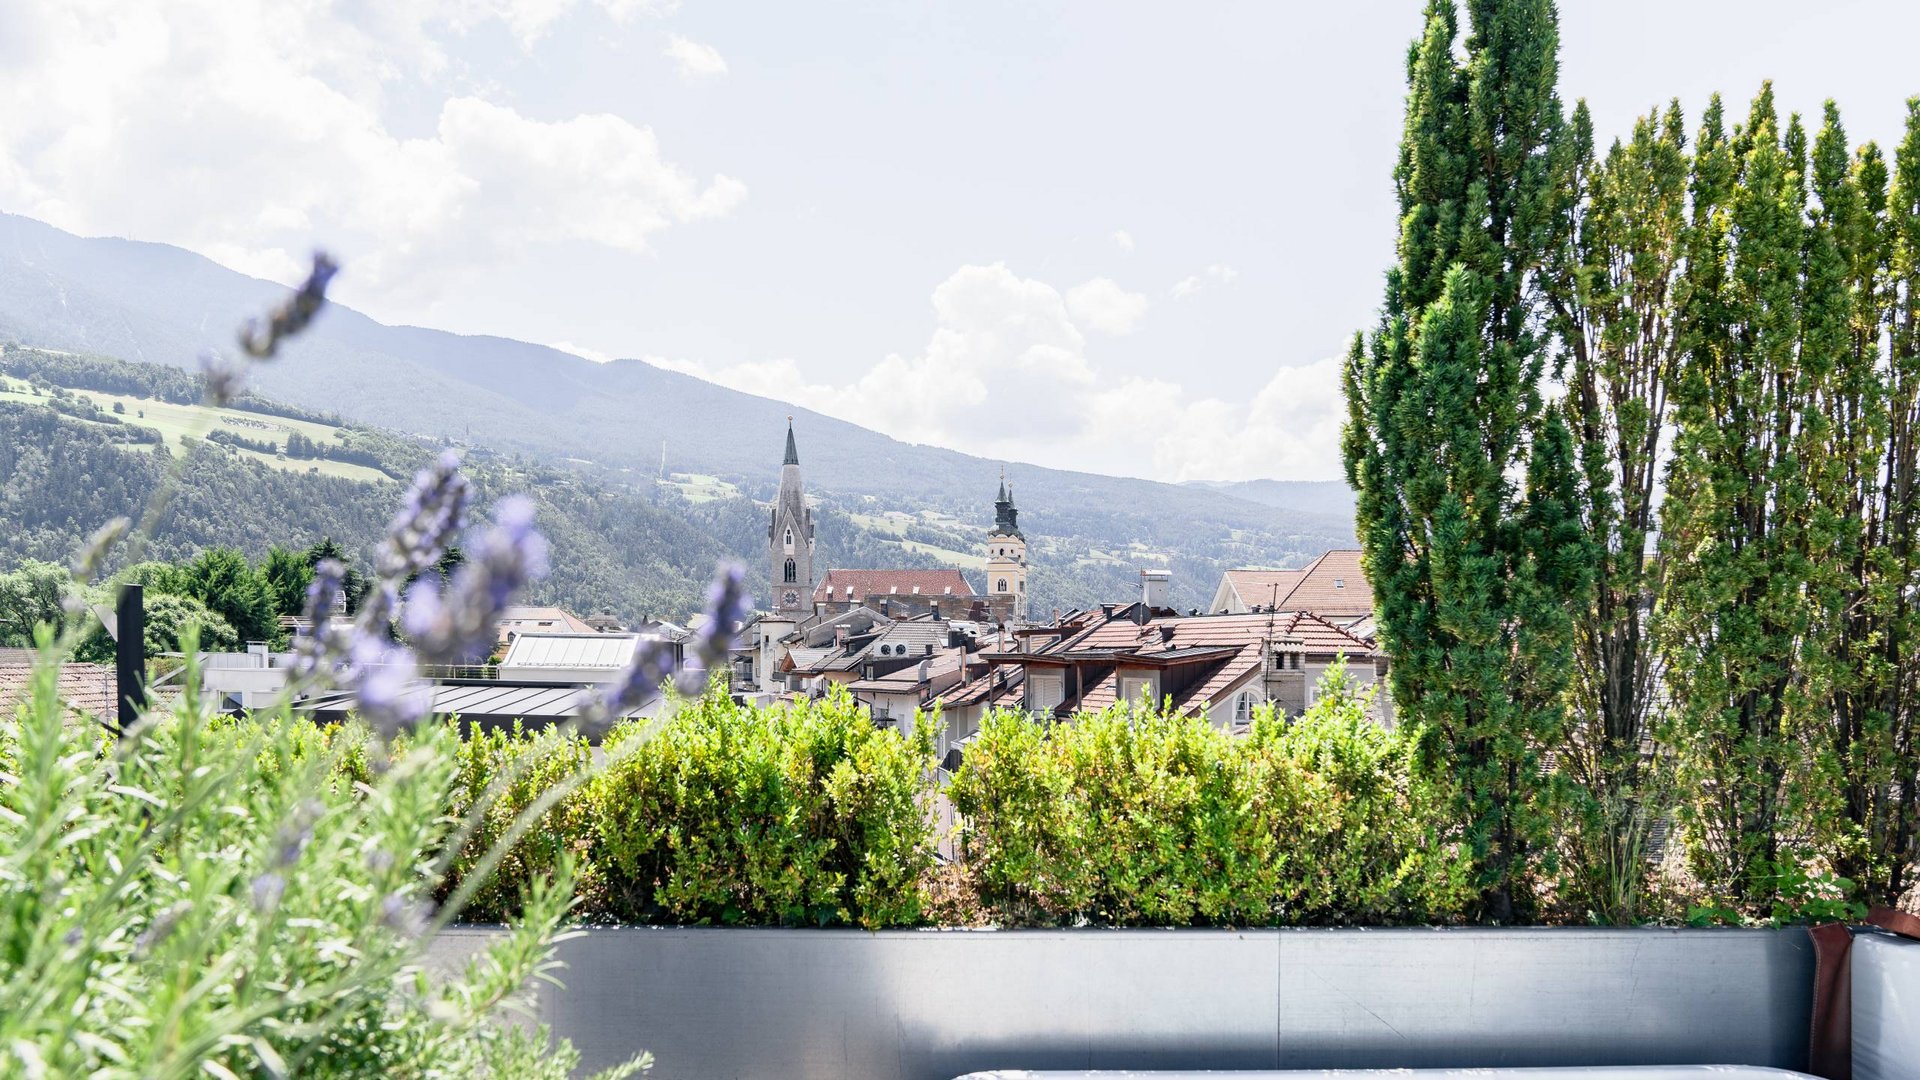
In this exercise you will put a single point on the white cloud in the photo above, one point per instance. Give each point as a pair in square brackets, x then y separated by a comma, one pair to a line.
[695, 60]
[1102, 305]
[1123, 239]
[1288, 429]
[1217, 274]
[582, 351]
[1006, 374]
[249, 130]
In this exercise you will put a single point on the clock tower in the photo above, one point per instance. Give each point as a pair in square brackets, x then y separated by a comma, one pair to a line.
[790, 542]
[1006, 558]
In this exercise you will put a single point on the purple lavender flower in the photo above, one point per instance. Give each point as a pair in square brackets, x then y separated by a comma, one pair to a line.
[405, 917]
[314, 647]
[159, 929]
[226, 377]
[651, 667]
[293, 314]
[727, 604]
[297, 833]
[435, 509]
[387, 690]
[458, 626]
[267, 889]
[653, 663]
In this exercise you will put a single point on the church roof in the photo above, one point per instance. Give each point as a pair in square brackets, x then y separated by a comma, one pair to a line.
[855, 586]
[793, 452]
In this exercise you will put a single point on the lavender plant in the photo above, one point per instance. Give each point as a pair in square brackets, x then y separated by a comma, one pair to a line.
[201, 898]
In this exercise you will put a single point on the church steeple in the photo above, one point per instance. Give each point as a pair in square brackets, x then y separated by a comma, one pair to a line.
[790, 541]
[1006, 519]
[1006, 557]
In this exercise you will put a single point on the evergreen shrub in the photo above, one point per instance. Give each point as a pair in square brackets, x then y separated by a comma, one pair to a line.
[804, 816]
[1133, 816]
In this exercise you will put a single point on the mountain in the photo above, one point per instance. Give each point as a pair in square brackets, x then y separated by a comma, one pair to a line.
[1329, 497]
[158, 304]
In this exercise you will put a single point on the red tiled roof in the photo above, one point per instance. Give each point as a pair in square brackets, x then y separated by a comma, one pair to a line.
[1315, 634]
[1186, 636]
[1333, 585]
[996, 684]
[1229, 677]
[1263, 588]
[865, 583]
[83, 687]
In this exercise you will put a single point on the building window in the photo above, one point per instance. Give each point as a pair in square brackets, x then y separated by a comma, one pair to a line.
[1003, 585]
[1339, 583]
[789, 539]
[1243, 707]
[792, 572]
[1044, 693]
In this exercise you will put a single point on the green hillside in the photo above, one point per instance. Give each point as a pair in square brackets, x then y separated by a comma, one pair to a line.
[617, 422]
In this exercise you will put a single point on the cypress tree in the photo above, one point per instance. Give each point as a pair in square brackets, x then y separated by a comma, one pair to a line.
[1736, 534]
[1612, 293]
[1861, 286]
[1464, 477]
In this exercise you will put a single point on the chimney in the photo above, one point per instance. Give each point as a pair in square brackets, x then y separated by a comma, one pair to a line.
[1154, 585]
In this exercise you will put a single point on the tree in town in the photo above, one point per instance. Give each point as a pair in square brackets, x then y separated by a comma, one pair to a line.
[1862, 279]
[287, 574]
[355, 585]
[1464, 475]
[167, 618]
[1736, 536]
[221, 579]
[31, 596]
[1611, 296]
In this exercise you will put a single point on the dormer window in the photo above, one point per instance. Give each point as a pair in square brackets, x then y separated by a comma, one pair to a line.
[1339, 583]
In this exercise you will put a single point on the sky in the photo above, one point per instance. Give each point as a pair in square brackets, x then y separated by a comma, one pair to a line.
[1127, 237]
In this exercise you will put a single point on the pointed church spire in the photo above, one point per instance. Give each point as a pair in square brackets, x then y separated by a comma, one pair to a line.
[1002, 497]
[793, 452]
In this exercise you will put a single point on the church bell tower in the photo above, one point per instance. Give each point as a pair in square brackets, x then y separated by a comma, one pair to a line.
[1007, 557]
[790, 541]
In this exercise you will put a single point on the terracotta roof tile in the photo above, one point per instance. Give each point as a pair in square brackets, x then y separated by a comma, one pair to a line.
[1333, 585]
[1260, 588]
[83, 687]
[865, 583]
[996, 685]
[1314, 634]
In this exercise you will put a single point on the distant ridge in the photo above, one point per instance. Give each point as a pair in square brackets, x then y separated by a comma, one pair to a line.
[161, 304]
[1332, 497]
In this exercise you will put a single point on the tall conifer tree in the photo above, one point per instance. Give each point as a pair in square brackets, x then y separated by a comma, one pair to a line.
[1464, 476]
[1862, 284]
[1737, 539]
[1612, 294]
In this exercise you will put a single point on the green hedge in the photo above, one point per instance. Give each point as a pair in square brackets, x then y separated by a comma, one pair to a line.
[811, 815]
[1135, 817]
[788, 816]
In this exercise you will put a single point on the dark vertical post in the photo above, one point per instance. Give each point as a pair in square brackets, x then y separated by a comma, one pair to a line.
[130, 654]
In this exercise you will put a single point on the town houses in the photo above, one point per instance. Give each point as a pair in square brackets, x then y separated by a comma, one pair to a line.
[905, 642]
